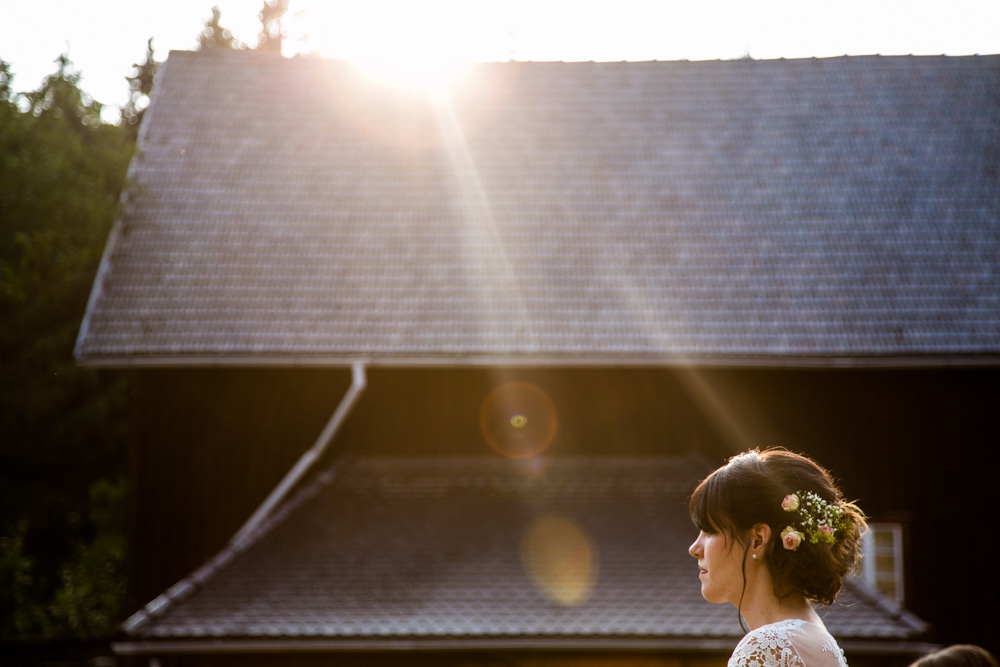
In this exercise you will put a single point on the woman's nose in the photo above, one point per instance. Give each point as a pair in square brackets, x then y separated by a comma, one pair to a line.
[695, 547]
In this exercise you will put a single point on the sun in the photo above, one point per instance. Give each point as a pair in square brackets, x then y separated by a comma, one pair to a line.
[422, 45]
[432, 77]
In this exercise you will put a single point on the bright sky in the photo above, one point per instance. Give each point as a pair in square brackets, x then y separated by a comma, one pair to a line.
[106, 37]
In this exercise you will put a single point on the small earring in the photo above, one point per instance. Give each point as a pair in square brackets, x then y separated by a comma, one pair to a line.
[755, 556]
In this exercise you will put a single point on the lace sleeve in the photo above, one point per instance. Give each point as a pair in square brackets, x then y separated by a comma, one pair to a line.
[765, 647]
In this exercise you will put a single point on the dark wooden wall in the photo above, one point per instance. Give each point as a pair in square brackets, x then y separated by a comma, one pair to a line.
[208, 445]
[921, 445]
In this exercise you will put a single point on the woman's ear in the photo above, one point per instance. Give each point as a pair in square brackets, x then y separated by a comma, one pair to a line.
[759, 535]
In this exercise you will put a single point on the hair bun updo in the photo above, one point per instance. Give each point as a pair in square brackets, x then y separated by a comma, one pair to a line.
[749, 490]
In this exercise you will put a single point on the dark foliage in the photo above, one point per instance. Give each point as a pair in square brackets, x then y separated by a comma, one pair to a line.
[62, 458]
[63, 427]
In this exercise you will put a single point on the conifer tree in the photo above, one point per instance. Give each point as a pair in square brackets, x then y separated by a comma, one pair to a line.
[271, 33]
[140, 87]
[62, 462]
[214, 36]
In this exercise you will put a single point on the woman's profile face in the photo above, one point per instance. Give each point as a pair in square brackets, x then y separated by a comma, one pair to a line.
[719, 567]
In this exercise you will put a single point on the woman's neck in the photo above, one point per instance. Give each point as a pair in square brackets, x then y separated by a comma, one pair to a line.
[773, 610]
[761, 606]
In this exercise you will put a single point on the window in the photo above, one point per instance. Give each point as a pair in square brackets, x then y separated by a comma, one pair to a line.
[882, 565]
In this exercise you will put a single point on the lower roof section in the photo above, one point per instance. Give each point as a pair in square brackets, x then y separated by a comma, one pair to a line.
[474, 553]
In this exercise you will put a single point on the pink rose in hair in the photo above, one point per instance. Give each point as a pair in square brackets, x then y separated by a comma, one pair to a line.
[790, 503]
[791, 538]
[826, 534]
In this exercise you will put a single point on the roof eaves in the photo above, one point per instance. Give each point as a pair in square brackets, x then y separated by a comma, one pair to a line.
[259, 645]
[401, 361]
[300, 645]
[894, 609]
[117, 228]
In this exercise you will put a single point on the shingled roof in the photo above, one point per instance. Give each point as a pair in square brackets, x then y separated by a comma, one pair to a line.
[289, 210]
[482, 552]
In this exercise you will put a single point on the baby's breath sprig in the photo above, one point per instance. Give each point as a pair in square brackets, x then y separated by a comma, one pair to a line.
[819, 521]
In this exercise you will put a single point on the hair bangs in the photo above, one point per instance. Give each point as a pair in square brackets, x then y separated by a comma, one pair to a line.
[708, 507]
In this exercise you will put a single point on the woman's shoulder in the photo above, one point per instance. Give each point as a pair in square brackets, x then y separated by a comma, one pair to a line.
[775, 636]
[788, 643]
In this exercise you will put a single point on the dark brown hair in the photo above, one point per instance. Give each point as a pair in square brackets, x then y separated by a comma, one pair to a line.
[959, 655]
[748, 490]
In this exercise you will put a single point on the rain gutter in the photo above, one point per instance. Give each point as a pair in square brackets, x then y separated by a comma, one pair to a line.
[265, 515]
[306, 461]
[984, 360]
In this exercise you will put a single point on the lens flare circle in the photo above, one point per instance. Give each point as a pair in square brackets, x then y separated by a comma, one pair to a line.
[560, 560]
[518, 420]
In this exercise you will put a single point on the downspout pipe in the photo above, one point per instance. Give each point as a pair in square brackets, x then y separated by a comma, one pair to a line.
[358, 383]
[246, 534]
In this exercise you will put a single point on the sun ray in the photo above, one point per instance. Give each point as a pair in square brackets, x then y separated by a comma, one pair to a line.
[693, 379]
[498, 282]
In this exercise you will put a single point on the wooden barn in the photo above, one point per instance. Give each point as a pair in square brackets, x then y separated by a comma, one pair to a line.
[427, 378]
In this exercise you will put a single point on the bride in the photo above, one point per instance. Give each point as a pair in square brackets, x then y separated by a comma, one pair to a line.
[775, 536]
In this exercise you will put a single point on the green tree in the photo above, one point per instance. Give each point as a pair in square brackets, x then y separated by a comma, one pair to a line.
[140, 86]
[92, 582]
[60, 94]
[271, 32]
[62, 456]
[62, 427]
[5, 78]
[214, 36]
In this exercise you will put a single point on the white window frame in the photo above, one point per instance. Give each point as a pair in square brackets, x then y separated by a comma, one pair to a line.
[869, 573]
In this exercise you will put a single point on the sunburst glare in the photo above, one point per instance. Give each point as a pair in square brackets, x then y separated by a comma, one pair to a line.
[432, 76]
[560, 560]
[424, 45]
[518, 420]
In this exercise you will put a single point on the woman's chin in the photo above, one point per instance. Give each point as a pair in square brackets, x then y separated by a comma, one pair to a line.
[712, 597]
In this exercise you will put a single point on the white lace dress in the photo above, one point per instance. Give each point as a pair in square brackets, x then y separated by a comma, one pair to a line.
[788, 643]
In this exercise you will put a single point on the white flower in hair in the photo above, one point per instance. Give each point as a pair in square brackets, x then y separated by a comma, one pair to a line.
[819, 521]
